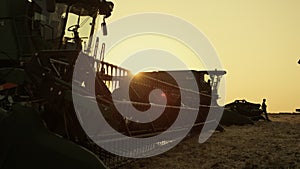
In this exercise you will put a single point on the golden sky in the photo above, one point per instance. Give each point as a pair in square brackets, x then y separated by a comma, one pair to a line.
[258, 43]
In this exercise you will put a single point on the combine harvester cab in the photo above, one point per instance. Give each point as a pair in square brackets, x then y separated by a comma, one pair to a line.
[36, 62]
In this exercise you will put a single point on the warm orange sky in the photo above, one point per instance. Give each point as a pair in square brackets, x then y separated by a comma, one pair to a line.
[257, 41]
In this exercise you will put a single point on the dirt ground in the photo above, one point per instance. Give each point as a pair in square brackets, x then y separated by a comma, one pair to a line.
[265, 144]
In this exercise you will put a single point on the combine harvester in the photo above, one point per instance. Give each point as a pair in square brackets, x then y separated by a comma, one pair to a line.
[38, 124]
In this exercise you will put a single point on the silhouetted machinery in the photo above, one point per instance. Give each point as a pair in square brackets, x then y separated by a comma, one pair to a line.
[241, 112]
[38, 125]
[248, 109]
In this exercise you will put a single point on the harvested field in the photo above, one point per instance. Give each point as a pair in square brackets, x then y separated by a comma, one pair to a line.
[265, 144]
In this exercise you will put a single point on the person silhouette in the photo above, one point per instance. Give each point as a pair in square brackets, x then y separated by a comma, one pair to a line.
[264, 109]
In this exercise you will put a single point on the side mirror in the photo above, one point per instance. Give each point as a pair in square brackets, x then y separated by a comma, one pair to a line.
[50, 5]
[104, 28]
